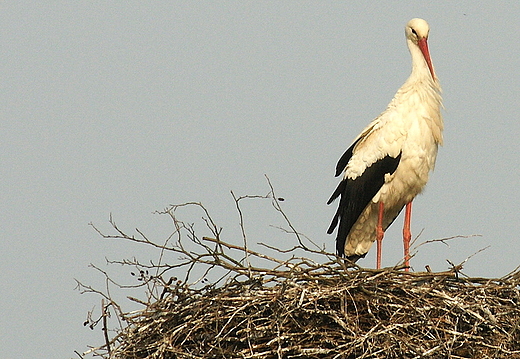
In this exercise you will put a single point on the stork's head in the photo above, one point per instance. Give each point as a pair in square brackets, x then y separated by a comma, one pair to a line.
[417, 31]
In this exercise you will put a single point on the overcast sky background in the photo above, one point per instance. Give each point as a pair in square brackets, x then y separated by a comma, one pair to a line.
[127, 107]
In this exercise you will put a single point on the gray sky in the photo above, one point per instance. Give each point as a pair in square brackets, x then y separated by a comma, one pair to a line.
[127, 107]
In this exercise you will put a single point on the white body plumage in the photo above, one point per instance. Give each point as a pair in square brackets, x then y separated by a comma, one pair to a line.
[395, 153]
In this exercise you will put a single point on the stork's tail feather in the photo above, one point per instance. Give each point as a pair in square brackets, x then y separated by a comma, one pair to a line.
[354, 258]
[339, 190]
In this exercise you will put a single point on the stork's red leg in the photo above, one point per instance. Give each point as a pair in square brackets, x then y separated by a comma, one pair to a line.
[407, 235]
[379, 234]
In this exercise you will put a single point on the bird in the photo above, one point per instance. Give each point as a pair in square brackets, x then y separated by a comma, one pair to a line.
[389, 162]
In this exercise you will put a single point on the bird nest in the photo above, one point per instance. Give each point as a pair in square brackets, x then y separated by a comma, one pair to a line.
[301, 308]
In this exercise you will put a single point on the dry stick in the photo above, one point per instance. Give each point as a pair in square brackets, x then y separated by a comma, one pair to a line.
[241, 218]
[105, 328]
[461, 264]
[244, 249]
[277, 206]
[515, 274]
[443, 240]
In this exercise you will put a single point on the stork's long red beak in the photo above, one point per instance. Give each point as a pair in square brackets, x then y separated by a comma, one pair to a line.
[423, 46]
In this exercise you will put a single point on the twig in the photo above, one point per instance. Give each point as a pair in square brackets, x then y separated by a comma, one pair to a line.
[104, 315]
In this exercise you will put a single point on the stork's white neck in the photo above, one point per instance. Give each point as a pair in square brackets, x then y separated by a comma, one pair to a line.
[420, 68]
[422, 93]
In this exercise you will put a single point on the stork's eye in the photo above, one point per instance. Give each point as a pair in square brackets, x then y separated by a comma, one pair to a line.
[414, 32]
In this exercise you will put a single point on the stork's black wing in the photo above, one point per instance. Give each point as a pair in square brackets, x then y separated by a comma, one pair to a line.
[356, 194]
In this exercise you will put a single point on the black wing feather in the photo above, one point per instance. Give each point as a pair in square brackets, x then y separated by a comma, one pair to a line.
[342, 163]
[356, 195]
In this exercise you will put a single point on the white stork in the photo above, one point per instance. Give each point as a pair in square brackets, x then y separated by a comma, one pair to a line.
[388, 164]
